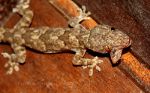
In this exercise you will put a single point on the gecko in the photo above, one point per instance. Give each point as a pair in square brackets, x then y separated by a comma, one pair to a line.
[101, 39]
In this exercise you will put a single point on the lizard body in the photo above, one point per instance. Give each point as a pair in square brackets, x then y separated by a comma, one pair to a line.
[45, 39]
[101, 39]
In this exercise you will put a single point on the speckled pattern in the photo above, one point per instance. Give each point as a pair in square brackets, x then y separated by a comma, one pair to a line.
[101, 39]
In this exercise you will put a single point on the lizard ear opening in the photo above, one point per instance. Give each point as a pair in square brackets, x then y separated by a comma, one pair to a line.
[115, 55]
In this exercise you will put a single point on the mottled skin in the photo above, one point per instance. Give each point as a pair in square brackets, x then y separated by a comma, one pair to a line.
[101, 39]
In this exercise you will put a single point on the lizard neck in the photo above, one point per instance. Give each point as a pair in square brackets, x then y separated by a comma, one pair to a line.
[84, 36]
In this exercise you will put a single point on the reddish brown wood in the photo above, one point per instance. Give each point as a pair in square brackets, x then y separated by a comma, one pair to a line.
[5, 9]
[132, 17]
[54, 73]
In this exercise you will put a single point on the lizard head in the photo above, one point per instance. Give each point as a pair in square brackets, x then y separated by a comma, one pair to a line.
[105, 39]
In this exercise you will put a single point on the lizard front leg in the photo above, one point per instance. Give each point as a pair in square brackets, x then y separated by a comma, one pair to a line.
[22, 9]
[83, 15]
[86, 62]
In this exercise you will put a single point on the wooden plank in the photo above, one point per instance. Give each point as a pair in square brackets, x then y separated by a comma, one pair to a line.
[5, 9]
[129, 63]
[116, 14]
[53, 73]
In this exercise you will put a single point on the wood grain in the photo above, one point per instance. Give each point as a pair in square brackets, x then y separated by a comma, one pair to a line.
[133, 18]
[130, 16]
[54, 73]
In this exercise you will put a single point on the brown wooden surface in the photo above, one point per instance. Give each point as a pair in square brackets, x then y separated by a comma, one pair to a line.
[5, 9]
[132, 17]
[54, 73]
[138, 70]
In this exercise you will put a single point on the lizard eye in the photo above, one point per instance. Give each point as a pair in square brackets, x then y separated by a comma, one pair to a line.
[112, 28]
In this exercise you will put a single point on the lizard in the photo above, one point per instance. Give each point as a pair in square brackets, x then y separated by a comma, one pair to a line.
[101, 39]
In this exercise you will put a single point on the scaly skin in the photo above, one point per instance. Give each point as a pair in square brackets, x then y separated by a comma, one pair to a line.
[101, 39]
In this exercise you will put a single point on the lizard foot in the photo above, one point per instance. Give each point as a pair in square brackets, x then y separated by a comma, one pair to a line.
[11, 64]
[83, 15]
[95, 61]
